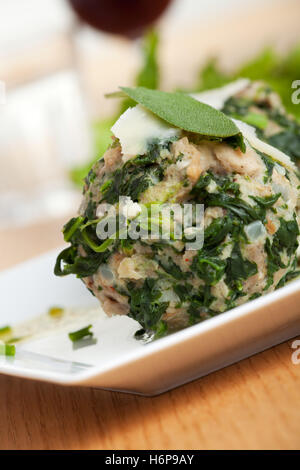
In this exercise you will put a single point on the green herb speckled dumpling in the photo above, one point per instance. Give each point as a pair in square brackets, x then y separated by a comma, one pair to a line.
[251, 227]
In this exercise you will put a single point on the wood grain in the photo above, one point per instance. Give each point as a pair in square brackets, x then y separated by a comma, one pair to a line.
[254, 404]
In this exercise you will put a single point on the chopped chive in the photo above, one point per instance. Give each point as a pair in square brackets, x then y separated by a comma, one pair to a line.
[10, 350]
[7, 349]
[55, 311]
[80, 334]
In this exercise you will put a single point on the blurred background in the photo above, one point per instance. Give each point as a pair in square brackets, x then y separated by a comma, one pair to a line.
[58, 58]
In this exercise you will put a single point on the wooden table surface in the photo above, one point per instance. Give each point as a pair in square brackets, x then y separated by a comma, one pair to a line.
[254, 404]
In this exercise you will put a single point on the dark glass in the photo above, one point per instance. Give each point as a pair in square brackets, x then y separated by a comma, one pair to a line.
[125, 17]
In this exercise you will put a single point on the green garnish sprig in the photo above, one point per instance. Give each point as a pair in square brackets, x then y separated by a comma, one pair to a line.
[7, 349]
[83, 333]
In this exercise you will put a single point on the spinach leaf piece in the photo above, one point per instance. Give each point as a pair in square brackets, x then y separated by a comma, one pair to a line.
[183, 291]
[135, 176]
[70, 262]
[286, 236]
[224, 184]
[173, 269]
[274, 262]
[284, 239]
[287, 278]
[208, 267]
[216, 232]
[145, 306]
[200, 304]
[238, 268]
[235, 205]
[265, 203]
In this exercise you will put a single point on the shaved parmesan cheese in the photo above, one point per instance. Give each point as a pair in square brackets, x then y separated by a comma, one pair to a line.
[218, 96]
[277, 155]
[137, 127]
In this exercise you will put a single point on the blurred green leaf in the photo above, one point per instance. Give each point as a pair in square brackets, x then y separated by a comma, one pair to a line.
[101, 138]
[148, 76]
[261, 67]
[211, 76]
[279, 72]
[290, 66]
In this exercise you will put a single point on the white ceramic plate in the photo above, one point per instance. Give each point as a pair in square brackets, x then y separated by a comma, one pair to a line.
[119, 362]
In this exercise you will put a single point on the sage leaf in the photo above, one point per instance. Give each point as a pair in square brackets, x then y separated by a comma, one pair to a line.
[184, 112]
